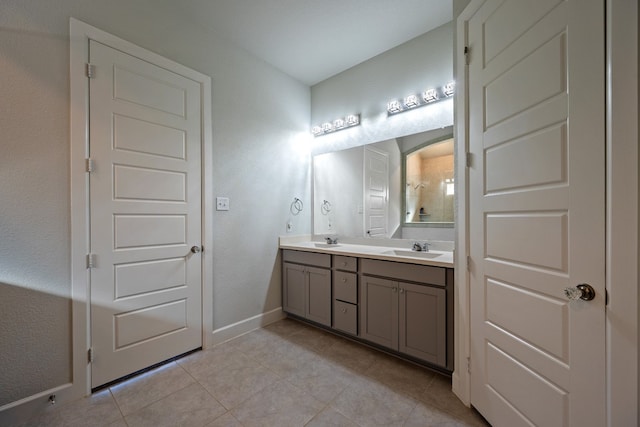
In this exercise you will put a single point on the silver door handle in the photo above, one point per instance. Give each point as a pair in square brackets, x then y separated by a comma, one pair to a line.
[196, 249]
[582, 291]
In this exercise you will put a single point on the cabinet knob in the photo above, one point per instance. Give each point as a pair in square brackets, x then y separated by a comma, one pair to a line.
[395, 290]
[344, 263]
[402, 290]
[344, 310]
[344, 280]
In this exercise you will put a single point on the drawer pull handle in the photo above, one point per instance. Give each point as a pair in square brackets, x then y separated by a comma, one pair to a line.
[344, 263]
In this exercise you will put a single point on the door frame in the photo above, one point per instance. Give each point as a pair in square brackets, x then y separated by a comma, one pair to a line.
[621, 238]
[80, 34]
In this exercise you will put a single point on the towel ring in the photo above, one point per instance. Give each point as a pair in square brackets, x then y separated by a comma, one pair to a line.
[296, 206]
[325, 208]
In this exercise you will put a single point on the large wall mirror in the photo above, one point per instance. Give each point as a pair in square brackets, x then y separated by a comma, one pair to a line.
[398, 188]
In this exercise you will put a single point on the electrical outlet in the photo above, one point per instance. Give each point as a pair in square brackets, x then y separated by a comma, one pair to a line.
[289, 226]
[222, 203]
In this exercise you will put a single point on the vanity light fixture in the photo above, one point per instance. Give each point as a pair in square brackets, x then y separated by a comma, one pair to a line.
[338, 124]
[449, 89]
[352, 119]
[411, 101]
[429, 96]
[394, 106]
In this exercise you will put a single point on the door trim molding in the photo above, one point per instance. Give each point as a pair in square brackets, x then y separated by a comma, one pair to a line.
[622, 212]
[80, 34]
[461, 378]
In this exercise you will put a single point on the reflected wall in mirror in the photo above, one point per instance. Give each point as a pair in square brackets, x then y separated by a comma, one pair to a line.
[429, 184]
[356, 192]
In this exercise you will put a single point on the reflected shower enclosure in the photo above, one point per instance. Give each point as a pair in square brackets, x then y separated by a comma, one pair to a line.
[429, 184]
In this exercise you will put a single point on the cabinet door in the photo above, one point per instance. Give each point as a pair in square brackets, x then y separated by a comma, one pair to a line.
[379, 311]
[345, 317]
[422, 322]
[294, 289]
[319, 295]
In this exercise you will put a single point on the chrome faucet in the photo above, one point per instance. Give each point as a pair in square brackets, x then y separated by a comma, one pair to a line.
[420, 247]
[331, 241]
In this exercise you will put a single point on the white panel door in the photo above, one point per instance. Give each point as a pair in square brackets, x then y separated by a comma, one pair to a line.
[376, 192]
[145, 214]
[536, 206]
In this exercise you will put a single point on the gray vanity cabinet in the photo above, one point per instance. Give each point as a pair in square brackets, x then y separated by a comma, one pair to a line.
[379, 311]
[307, 285]
[345, 294]
[404, 307]
[406, 317]
[422, 322]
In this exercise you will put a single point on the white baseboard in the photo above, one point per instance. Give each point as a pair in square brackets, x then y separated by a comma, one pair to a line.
[22, 410]
[242, 327]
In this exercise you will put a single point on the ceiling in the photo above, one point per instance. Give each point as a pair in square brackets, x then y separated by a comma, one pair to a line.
[312, 40]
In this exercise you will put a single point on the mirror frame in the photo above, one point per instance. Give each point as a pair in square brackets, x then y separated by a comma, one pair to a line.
[403, 222]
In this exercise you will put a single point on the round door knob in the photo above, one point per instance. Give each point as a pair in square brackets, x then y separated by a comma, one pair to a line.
[195, 249]
[582, 291]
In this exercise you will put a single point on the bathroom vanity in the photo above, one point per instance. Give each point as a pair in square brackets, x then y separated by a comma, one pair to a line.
[391, 298]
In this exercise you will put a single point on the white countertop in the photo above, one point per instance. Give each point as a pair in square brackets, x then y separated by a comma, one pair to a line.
[387, 253]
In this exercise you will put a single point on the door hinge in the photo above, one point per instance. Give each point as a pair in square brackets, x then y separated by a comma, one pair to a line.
[466, 55]
[469, 159]
[90, 355]
[90, 70]
[468, 365]
[91, 260]
[90, 165]
[468, 263]
[606, 297]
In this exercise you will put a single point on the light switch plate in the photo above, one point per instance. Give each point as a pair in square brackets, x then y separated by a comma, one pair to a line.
[222, 203]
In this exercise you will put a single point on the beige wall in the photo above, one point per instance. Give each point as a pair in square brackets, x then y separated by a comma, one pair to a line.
[260, 161]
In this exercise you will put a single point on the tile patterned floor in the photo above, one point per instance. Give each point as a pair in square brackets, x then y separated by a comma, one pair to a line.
[286, 374]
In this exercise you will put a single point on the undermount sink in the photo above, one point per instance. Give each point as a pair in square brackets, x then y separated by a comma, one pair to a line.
[327, 245]
[414, 254]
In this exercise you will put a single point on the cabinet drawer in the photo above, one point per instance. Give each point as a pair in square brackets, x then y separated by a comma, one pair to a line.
[345, 317]
[404, 271]
[346, 263]
[345, 286]
[308, 258]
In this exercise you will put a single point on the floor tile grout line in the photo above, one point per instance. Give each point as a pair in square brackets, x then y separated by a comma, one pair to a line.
[155, 401]
[205, 389]
[118, 406]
